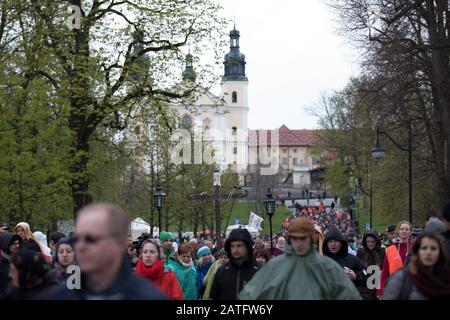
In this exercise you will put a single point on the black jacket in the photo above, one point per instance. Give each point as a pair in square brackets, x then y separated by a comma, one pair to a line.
[369, 258]
[5, 241]
[127, 286]
[231, 278]
[344, 259]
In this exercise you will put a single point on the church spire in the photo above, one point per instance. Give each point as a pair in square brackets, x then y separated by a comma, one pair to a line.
[234, 60]
[189, 72]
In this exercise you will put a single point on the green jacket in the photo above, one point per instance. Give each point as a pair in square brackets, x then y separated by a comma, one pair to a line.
[187, 277]
[209, 279]
[291, 277]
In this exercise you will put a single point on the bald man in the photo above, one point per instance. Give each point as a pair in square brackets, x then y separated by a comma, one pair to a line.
[101, 238]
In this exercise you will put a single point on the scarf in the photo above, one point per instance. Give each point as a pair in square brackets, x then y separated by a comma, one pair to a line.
[154, 272]
[434, 282]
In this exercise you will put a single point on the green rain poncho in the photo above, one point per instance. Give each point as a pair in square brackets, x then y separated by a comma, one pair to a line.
[292, 277]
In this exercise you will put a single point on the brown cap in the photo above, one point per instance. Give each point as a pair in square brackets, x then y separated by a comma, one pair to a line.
[300, 227]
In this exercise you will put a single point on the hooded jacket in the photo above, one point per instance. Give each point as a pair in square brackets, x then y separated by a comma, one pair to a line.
[371, 257]
[344, 259]
[5, 241]
[186, 275]
[232, 277]
[293, 277]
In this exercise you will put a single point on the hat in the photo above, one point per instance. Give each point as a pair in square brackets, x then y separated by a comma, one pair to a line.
[390, 228]
[300, 227]
[203, 251]
[416, 232]
[164, 236]
[436, 226]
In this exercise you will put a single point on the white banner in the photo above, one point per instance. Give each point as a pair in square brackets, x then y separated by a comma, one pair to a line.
[255, 221]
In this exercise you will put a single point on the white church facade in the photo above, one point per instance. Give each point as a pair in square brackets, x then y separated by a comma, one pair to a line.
[222, 120]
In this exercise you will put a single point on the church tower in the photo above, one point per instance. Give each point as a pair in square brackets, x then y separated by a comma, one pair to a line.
[235, 93]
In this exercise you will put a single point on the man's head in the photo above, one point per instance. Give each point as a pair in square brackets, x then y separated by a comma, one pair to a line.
[100, 237]
[335, 243]
[10, 243]
[239, 244]
[130, 241]
[390, 232]
[208, 243]
[238, 249]
[300, 233]
[166, 240]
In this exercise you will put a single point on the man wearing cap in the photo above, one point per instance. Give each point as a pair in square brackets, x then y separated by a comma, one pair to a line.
[301, 273]
[233, 276]
[166, 245]
[391, 235]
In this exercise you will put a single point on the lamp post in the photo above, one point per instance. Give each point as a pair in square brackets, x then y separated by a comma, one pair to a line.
[217, 197]
[379, 153]
[270, 210]
[158, 200]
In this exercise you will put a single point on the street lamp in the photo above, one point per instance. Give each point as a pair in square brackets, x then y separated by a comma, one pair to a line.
[378, 153]
[158, 200]
[269, 204]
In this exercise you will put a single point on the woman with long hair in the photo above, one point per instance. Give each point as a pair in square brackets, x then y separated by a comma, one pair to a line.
[30, 242]
[151, 267]
[427, 276]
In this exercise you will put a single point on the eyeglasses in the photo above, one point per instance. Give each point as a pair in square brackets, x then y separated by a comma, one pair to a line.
[90, 239]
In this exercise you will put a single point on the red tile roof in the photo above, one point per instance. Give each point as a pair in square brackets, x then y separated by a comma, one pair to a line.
[287, 137]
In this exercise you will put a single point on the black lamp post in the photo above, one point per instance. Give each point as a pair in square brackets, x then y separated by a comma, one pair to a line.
[379, 153]
[158, 199]
[270, 210]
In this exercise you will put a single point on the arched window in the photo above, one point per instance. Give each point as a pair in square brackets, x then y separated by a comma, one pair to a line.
[187, 121]
[234, 131]
[234, 97]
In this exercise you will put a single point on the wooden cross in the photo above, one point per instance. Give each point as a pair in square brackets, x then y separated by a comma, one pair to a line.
[216, 198]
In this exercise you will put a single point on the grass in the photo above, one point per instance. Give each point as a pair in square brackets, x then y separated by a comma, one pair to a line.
[243, 209]
[380, 223]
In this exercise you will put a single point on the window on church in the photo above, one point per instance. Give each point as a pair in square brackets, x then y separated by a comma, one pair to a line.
[284, 161]
[234, 150]
[295, 161]
[187, 121]
[295, 150]
[234, 97]
[233, 131]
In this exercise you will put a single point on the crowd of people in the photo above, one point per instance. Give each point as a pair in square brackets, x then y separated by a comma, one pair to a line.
[317, 255]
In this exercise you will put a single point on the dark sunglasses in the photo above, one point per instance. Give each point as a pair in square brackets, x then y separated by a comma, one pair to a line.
[90, 239]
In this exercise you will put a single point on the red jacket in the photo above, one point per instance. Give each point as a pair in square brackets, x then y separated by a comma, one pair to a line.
[165, 280]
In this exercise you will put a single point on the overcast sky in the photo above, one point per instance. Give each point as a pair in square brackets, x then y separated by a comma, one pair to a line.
[293, 54]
